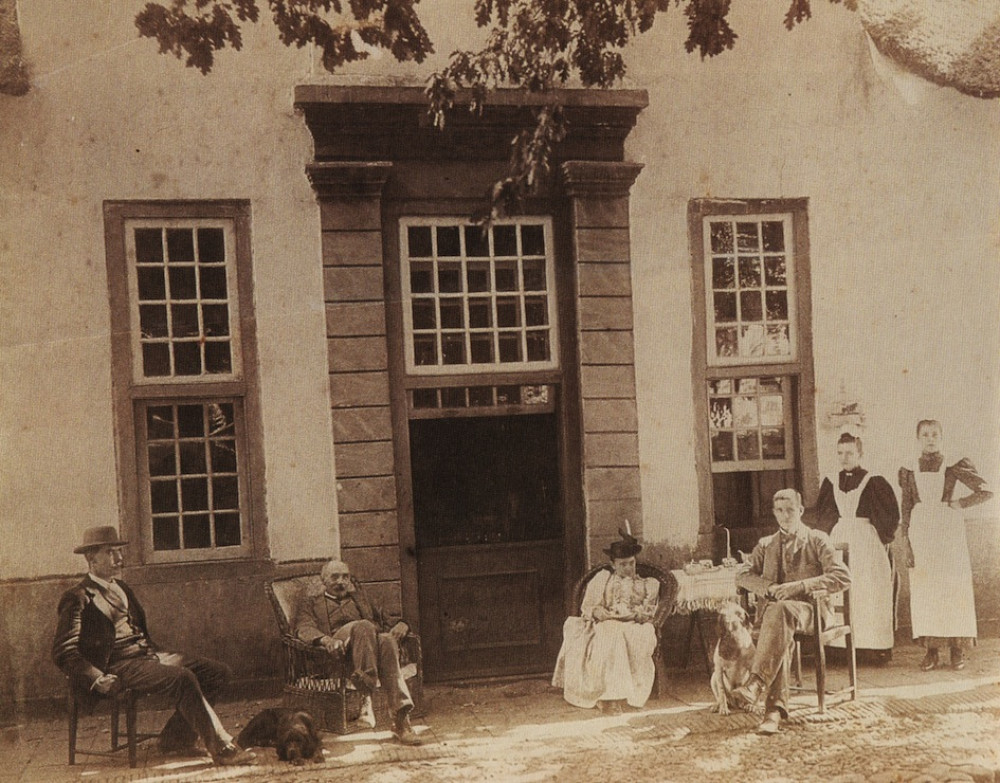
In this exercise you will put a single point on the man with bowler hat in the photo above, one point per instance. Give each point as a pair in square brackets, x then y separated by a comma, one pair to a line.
[103, 645]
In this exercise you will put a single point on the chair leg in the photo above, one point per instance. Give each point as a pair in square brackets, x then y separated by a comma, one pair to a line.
[74, 716]
[130, 730]
[115, 711]
[821, 677]
[798, 664]
[852, 665]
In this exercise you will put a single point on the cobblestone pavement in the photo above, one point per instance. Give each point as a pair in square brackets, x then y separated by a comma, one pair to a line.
[907, 726]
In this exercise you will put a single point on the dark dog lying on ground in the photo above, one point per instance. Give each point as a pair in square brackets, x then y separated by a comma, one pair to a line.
[290, 731]
[733, 656]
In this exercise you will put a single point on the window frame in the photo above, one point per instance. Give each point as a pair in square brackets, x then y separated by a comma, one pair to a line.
[133, 393]
[797, 369]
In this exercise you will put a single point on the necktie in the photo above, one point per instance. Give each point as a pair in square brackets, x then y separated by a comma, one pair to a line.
[112, 597]
[782, 538]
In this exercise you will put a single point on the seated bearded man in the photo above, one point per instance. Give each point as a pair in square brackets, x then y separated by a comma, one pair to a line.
[607, 653]
[345, 618]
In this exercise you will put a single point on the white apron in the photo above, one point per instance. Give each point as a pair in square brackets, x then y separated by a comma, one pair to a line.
[871, 574]
[941, 597]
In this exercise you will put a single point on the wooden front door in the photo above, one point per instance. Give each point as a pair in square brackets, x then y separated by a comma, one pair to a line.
[489, 541]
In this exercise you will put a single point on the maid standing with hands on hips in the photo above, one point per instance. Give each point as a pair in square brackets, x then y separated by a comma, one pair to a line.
[942, 606]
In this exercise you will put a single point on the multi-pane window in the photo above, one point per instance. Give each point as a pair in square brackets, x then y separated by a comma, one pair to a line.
[749, 423]
[184, 398]
[478, 300]
[750, 289]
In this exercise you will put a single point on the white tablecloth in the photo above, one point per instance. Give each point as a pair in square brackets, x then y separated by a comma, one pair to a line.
[708, 590]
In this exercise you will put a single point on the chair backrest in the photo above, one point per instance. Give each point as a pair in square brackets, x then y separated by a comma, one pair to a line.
[286, 594]
[668, 586]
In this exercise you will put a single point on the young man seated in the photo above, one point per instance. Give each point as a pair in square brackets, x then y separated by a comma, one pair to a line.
[344, 617]
[785, 568]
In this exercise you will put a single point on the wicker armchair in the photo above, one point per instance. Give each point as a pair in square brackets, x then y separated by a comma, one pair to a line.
[318, 681]
[668, 592]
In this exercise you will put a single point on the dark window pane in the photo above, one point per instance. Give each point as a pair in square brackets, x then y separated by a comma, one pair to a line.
[162, 461]
[424, 316]
[166, 533]
[159, 422]
[218, 357]
[425, 398]
[538, 346]
[211, 246]
[722, 447]
[448, 241]
[751, 308]
[508, 395]
[194, 494]
[777, 305]
[722, 237]
[773, 443]
[747, 445]
[505, 240]
[452, 316]
[774, 236]
[155, 359]
[223, 454]
[778, 343]
[774, 271]
[449, 278]
[190, 421]
[477, 241]
[749, 273]
[149, 246]
[180, 245]
[192, 457]
[227, 530]
[184, 320]
[533, 240]
[725, 306]
[720, 413]
[725, 342]
[187, 359]
[481, 348]
[481, 396]
[723, 274]
[422, 278]
[182, 285]
[508, 311]
[151, 285]
[510, 347]
[424, 351]
[480, 313]
[506, 274]
[225, 492]
[197, 532]
[213, 282]
[477, 276]
[453, 349]
[746, 237]
[534, 275]
[536, 311]
[453, 397]
[153, 320]
[215, 319]
[419, 241]
[220, 419]
[163, 496]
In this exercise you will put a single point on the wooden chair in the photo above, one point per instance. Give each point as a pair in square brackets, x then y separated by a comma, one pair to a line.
[668, 591]
[832, 613]
[318, 681]
[124, 698]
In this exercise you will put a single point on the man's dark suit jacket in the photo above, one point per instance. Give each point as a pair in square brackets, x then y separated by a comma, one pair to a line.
[85, 635]
[312, 620]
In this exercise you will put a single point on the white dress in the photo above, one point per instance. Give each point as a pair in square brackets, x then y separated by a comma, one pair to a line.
[941, 598]
[872, 618]
[612, 659]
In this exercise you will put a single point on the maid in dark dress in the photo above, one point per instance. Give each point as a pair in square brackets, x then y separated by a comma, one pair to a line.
[859, 508]
[942, 603]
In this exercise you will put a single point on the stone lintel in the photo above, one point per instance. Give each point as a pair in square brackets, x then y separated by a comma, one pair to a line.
[348, 179]
[598, 178]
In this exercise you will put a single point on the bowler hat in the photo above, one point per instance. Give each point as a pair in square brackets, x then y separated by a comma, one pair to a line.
[94, 537]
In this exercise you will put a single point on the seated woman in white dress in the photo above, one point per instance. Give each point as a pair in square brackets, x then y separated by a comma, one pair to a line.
[607, 653]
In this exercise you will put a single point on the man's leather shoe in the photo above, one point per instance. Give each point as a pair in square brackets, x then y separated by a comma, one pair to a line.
[930, 660]
[367, 716]
[191, 751]
[957, 658]
[402, 731]
[231, 755]
[771, 723]
[747, 695]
